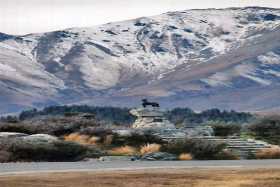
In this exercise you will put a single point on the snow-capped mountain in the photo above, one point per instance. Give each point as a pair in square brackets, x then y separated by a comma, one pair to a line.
[225, 58]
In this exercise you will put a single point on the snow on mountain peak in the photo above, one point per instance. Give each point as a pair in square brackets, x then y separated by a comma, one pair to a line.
[190, 54]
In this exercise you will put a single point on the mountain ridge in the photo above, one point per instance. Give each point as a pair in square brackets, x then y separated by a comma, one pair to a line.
[190, 57]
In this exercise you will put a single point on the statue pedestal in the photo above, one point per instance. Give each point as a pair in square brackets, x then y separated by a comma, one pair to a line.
[151, 117]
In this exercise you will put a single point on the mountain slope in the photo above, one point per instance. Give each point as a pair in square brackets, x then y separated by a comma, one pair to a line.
[225, 58]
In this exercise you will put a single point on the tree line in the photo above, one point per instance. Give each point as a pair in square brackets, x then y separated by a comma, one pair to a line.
[121, 116]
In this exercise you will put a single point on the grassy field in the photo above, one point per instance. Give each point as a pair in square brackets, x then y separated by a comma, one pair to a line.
[152, 178]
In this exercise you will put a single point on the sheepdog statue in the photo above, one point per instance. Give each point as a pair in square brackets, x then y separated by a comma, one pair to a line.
[146, 103]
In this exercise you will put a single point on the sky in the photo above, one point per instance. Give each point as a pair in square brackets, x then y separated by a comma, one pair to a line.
[34, 16]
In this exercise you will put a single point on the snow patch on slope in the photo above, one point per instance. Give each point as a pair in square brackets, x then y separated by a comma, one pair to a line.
[270, 58]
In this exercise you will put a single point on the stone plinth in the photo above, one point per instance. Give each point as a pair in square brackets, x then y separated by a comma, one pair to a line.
[151, 117]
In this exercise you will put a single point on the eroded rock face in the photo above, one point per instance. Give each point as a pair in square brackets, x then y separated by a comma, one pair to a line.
[171, 134]
[151, 117]
[11, 134]
[40, 138]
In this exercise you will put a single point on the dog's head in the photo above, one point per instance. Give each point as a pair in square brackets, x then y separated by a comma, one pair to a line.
[144, 100]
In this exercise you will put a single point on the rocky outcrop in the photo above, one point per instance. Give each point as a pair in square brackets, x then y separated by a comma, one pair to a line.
[40, 138]
[151, 117]
[11, 135]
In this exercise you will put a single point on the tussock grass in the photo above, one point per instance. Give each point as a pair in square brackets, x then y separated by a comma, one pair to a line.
[269, 153]
[150, 148]
[185, 156]
[124, 150]
[108, 140]
[82, 139]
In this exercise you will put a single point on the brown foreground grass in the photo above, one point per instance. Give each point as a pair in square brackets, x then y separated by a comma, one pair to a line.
[151, 178]
[269, 153]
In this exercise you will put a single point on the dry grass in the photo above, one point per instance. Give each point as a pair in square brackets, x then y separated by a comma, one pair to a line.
[269, 153]
[185, 156]
[82, 139]
[150, 148]
[124, 150]
[108, 140]
[93, 140]
[154, 178]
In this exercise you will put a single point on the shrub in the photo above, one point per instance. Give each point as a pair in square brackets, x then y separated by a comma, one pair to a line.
[109, 114]
[5, 156]
[56, 151]
[124, 150]
[226, 155]
[185, 156]
[113, 115]
[150, 148]
[93, 152]
[10, 119]
[178, 147]
[199, 149]
[226, 129]
[95, 131]
[187, 116]
[267, 128]
[205, 150]
[56, 125]
[15, 127]
[268, 153]
[102, 133]
[17, 149]
[135, 139]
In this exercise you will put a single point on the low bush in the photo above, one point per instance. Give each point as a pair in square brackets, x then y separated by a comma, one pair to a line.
[59, 126]
[199, 149]
[104, 135]
[177, 147]
[15, 127]
[226, 129]
[5, 156]
[95, 131]
[135, 139]
[226, 155]
[267, 129]
[205, 150]
[150, 148]
[268, 153]
[52, 125]
[56, 151]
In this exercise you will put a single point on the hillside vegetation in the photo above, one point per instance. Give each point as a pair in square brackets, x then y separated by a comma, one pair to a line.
[83, 132]
[122, 117]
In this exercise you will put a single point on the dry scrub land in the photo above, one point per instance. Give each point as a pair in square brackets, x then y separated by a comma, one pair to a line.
[153, 178]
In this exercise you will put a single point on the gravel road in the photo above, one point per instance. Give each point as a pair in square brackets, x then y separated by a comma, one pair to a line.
[95, 165]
